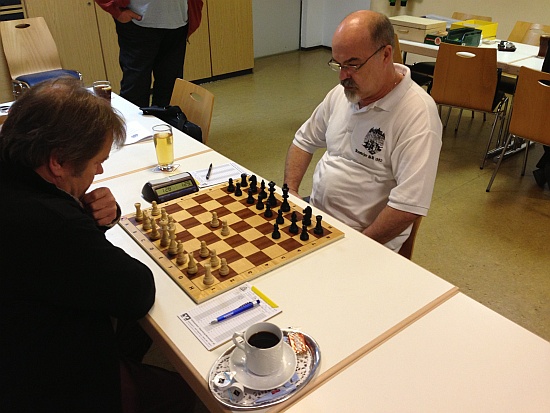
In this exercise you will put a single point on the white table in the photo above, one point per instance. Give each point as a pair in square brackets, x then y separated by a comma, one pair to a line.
[509, 62]
[460, 357]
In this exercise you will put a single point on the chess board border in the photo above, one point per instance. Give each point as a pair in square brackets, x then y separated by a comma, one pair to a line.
[202, 293]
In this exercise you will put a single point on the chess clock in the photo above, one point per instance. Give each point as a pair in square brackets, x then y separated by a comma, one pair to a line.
[171, 187]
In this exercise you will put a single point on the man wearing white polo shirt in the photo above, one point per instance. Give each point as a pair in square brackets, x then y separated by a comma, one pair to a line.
[382, 135]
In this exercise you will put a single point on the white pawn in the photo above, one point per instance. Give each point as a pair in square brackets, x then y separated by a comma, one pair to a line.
[208, 277]
[173, 247]
[146, 223]
[155, 210]
[204, 252]
[192, 267]
[215, 223]
[224, 269]
[214, 260]
[181, 259]
[225, 228]
[155, 234]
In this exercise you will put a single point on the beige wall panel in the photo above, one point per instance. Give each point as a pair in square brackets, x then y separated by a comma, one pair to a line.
[6, 94]
[109, 44]
[74, 28]
[197, 56]
[231, 35]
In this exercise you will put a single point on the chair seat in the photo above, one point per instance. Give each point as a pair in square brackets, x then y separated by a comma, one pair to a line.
[35, 78]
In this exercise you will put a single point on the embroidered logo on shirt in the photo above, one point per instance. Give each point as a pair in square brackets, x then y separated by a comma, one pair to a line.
[374, 141]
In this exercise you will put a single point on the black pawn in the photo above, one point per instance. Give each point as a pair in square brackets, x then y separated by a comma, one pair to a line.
[259, 204]
[293, 229]
[268, 211]
[231, 186]
[280, 219]
[238, 191]
[271, 199]
[304, 236]
[319, 227]
[250, 200]
[275, 234]
[244, 182]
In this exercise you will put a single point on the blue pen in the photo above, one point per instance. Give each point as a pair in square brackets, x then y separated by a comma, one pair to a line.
[236, 311]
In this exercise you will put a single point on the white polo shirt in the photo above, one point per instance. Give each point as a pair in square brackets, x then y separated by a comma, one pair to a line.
[160, 14]
[383, 154]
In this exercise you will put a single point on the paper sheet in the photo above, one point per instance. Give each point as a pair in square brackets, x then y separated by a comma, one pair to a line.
[135, 132]
[213, 335]
[220, 174]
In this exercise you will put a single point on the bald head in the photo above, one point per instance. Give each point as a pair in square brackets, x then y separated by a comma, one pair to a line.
[364, 27]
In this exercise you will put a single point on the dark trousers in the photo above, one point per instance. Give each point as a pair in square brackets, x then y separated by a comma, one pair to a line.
[147, 51]
[145, 388]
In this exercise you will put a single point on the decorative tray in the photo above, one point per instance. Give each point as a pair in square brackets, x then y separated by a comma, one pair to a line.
[225, 386]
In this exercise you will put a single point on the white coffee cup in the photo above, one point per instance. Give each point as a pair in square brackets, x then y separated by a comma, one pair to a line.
[262, 344]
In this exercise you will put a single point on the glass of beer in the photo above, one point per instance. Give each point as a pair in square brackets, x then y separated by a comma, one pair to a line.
[164, 146]
[102, 89]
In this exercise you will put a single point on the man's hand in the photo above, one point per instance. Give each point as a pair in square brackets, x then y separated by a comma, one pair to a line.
[126, 15]
[102, 205]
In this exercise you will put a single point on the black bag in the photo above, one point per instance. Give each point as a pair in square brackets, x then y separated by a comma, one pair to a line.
[174, 116]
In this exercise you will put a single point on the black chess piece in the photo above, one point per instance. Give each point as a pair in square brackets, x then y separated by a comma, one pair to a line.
[271, 199]
[306, 220]
[293, 229]
[285, 206]
[238, 191]
[230, 186]
[253, 181]
[244, 182]
[268, 211]
[304, 236]
[260, 204]
[276, 234]
[280, 219]
[250, 200]
[319, 227]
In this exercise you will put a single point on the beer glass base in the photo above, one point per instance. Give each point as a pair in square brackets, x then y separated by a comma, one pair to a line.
[165, 168]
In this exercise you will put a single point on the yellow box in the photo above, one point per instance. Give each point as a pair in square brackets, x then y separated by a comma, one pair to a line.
[488, 29]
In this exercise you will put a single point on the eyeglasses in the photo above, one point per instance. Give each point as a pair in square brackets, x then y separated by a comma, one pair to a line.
[334, 65]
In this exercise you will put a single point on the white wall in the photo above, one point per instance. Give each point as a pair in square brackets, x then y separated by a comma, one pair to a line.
[321, 17]
[276, 26]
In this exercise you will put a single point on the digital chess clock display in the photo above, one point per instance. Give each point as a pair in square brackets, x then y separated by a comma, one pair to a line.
[171, 187]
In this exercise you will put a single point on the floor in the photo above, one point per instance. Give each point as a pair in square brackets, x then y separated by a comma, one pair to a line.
[494, 246]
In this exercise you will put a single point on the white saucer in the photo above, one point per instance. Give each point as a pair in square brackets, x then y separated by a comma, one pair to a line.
[255, 382]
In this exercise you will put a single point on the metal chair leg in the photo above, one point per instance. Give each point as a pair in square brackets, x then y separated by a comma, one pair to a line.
[499, 162]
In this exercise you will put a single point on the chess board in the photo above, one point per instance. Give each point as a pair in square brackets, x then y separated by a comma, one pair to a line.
[249, 249]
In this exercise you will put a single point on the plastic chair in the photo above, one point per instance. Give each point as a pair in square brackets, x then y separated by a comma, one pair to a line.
[408, 246]
[31, 53]
[466, 77]
[528, 119]
[196, 102]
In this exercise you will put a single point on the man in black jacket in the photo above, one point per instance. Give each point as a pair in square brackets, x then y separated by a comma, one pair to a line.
[62, 283]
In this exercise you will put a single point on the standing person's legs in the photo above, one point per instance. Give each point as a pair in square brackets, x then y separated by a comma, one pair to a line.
[139, 47]
[169, 64]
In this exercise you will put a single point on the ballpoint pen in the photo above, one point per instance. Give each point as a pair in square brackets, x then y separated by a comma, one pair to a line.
[236, 311]
[209, 172]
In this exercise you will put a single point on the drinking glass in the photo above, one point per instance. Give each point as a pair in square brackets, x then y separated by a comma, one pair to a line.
[164, 146]
[102, 89]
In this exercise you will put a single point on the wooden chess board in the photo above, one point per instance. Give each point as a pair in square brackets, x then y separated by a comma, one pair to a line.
[249, 248]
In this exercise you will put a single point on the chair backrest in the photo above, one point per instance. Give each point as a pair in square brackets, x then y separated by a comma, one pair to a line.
[408, 246]
[528, 33]
[467, 16]
[465, 76]
[196, 102]
[530, 107]
[29, 46]
[397, 55]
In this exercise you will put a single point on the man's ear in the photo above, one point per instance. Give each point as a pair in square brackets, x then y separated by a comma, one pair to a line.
[55, 165]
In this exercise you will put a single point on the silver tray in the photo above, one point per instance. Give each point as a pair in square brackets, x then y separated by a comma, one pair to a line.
[306, 367]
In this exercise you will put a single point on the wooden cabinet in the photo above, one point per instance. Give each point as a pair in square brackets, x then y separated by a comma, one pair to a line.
[86, 39]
